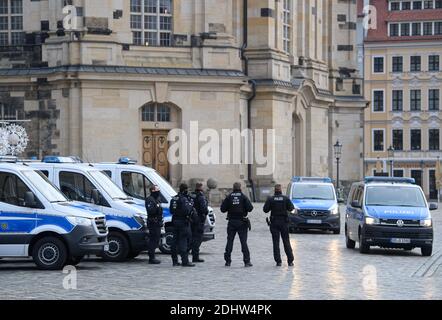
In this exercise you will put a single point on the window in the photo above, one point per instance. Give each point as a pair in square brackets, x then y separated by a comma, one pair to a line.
[156, 112]
[135, 185]
[76, 186]
[405, 29]
[378, 101]
[398, 173]
[415, 139]
[397, 102]
[415, 63]
[398, 139]
[12, 189]
[108, 173]
[406, 5]
[438, 28]
[398, 64]
[433, 99]
[428, 4]
[416, 28]
[438, 4]
[378, 64]
[428, 28]
[395, 6]
[11, 22]
[417, 5]
[151, 22]
[415, 100]
[433, 63]
[8, 112]
[287, 25]
[394, 30]
[433, 139]
[417, 176]
[378, 140]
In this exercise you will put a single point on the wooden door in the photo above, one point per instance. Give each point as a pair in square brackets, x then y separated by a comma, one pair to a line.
[155, 147]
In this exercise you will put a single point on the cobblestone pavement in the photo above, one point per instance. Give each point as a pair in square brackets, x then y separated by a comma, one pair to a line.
[324, 269]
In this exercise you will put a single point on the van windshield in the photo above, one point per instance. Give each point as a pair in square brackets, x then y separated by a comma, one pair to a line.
[313, 191]
[42, 183]
[399, 196]
[109, 186]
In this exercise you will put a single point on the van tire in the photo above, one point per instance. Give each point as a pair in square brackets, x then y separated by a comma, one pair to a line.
[427, 251]
[363, 246]
[50, 253]
[119, 247]
[337, 231]
[166, 248]
[73, 261]
[350, 244]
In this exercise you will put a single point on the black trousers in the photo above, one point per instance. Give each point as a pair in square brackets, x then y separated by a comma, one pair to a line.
[154, 238]
[280, 229]
[181, 238]
[197, 238]
[240, 227]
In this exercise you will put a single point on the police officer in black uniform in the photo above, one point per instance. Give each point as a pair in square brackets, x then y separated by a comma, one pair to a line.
[154, 222]
[181, 209]
[237, 206]
[198, 222]
[279, 206]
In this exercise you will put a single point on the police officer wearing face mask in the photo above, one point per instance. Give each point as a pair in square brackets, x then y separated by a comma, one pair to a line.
[154, 222]
[181, 209]
[237, 206]
[200, 205]
[279, 206]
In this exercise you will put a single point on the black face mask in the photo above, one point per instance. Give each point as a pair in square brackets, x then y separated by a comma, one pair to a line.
[155, 194]
[185, 192]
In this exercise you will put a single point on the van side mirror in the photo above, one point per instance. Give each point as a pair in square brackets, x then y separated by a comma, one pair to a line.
[96, 196]
[356, 204]
[433, 206]
[30, 200]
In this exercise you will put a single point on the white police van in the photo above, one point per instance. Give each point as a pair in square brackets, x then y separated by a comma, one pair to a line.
[135, 181]
[126, 221]
[389, 213]
[38, 221]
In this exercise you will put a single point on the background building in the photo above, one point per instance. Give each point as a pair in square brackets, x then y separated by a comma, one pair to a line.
[403, 81]
[133, 70]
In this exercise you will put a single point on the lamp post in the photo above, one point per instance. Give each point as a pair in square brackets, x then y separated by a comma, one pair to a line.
[338, 152]
[391, 158]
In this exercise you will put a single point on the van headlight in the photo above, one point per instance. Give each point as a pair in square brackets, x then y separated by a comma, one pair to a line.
[426, 223]
[371, 221]
[294, 211]
[334, 211]
[80, 221]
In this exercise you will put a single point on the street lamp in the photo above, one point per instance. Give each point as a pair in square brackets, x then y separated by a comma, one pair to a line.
[338, 152]
[391, 158]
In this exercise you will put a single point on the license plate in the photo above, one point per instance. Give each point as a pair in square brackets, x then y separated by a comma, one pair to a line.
[314, 221]
[400, 241]
[106, 247]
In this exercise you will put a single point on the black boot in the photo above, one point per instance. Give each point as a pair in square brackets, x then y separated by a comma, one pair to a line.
[248, 265]
[152, 260]
[188, 264]
[197, 259]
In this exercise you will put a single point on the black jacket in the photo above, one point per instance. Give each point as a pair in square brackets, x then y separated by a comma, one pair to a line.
[279, 205]
[181, 206]
[237, 205]
[153, 208]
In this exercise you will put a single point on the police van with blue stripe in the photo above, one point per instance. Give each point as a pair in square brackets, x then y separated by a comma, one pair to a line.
[389, 213]
[84, 183]
[135, 181]
[316, 204]
[38, 221]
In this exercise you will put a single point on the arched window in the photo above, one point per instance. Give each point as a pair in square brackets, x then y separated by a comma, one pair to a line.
[159, 112]
[151, 22]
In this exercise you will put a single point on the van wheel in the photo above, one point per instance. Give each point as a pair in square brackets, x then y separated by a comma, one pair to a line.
[166, 243]
[363, 246]
[337, 231]
[73, 261]
[427, 251]
[118, 247]
[348, 242]
[50, 253]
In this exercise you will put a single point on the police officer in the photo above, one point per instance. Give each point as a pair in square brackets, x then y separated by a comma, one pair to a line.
[279, 206]
[198, 221]
[237, 206]
[181, 209]
[154, 222]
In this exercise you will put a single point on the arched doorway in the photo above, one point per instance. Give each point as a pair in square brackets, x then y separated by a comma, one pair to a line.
[157, 119]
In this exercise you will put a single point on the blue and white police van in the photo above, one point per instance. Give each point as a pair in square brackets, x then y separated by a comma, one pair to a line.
[84, 183]
[316, 204]
[389, 213]
[135, 181]
[38, 221]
